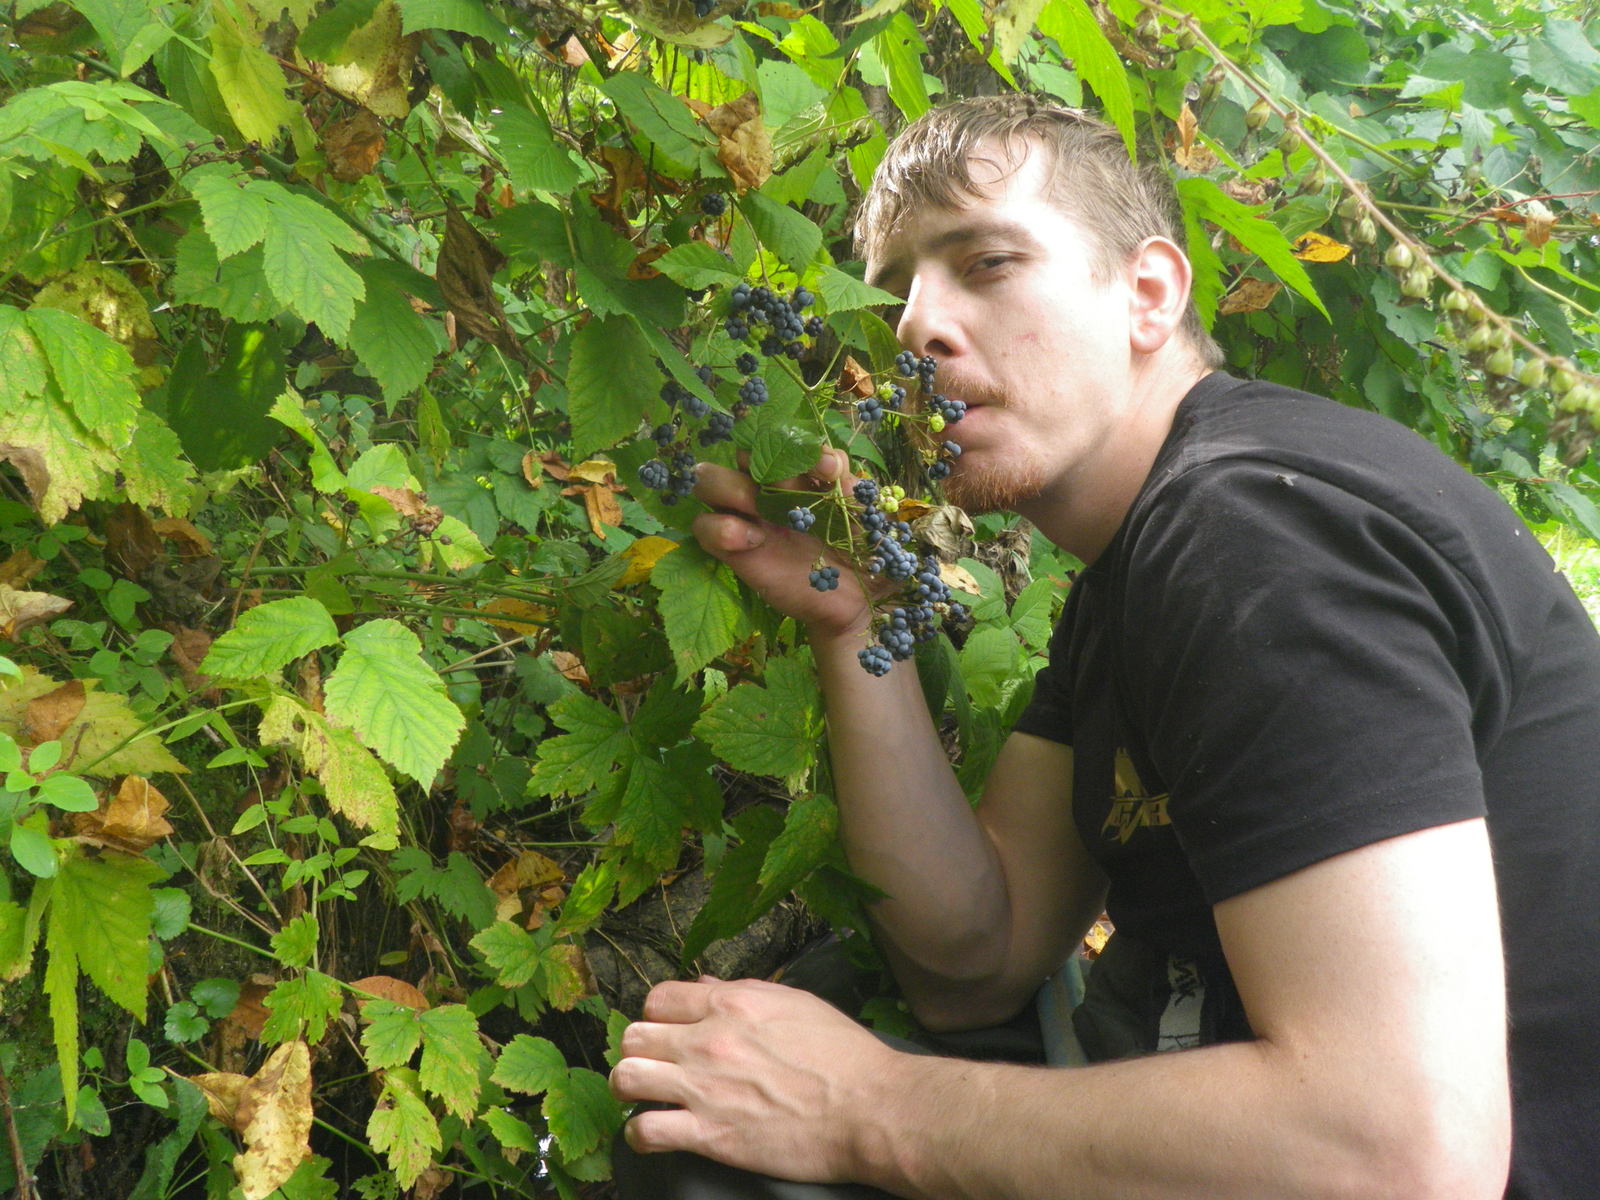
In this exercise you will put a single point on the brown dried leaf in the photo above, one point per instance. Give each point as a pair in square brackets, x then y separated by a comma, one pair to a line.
[570, 665]
[1188, 125]
[18, 610]
[555, 466]
[530, 470]
[223, 1090]
[1248, 295]
[132, 821]
[1246, 191]
[855, 379]
[132, 541]
[466, 267]
[744, 147]
[386, 987]
[353, 147]
[595, 470]
[642, 266]
[529, 870]
[49, 715]
[274, 1118]
[1540, 221]
[20, 568]
[405, 501]
[603, 507]
[191, 542]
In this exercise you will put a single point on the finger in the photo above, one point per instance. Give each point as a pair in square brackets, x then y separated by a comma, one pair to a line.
[832, 467]
[723, 488]
[678, 1002]
[659, 1129]
[636, 1079]
[725, 533]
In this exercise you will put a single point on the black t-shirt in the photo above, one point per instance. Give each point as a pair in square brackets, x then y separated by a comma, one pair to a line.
[1313, 632]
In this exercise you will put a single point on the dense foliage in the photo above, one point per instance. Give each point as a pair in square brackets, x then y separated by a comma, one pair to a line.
[359, 679]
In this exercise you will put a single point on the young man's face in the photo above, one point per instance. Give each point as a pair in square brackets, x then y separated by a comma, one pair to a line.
[1001, 292]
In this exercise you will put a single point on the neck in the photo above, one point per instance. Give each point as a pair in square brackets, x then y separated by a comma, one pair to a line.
[1081, 514]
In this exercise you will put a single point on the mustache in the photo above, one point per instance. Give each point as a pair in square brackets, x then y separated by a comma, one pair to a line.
[970, 391]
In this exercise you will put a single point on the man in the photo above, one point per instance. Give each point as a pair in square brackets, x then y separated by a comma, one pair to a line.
[1318, 715]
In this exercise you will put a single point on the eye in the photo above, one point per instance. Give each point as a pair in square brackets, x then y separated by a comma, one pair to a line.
[991, 262]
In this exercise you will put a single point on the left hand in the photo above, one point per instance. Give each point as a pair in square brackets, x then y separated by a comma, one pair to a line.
[767, 1078]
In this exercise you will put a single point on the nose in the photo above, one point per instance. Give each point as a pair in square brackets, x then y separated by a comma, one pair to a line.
[927, 322]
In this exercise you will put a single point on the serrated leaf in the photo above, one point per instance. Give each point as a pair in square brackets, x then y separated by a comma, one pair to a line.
[393, 1035]
[513, 954]
[791, 235]
[100, 911]
[391, 339]
[844, 293]
[650, 810]
[452, 1057]
[1075, 30]
[809, 830]
[155, 472]
[396, 704]
[94, 371]
[782, 451]
[1257, 235]
[236, 216]
[512, 1133]
[581, 1111]
[402, 1129]
[326, 35]
[697, 265]
[352, 779]
[464, 16]
[268, 637]
[604, 397]
[730, 907]
[536, 160]
[184, 1023]
[301, 1008]
[770, 730]
[296, 943]
[61, 463]
[529, 1064]
[248, 79]
[900, 48]
[306, 272]
[659, 116]
[593, 746]
[700, 606]
[236, 288]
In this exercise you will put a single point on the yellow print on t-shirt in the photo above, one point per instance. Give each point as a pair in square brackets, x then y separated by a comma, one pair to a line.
[1132, 808]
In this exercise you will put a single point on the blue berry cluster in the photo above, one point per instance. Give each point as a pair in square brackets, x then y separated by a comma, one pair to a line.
[713, 204]
[800, 519]
[825, 579]
[750, 308]
[702, 8]
[673, 480]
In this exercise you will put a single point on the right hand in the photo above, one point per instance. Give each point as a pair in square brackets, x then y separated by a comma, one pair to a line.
[775, 560]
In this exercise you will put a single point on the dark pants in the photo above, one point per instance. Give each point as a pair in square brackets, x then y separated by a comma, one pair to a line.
[827, 972]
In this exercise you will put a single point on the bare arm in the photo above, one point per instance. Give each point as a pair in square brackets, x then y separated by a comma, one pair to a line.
[1373, 981]
[980, 906]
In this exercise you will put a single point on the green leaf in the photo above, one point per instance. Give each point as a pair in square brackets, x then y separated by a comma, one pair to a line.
[236, 216]
[392, 1036]
[396, 704]
[730, 907]
[770, 730]
[697, 265]
[512, 1133]
[1563, 58]
[581, 1111]
[236, 288]
[34, 851]
[807, 840]
[325, 36]
[576, 761]
[700, 606]
[513, 954]
[529, 1064]
[659, 116]
[453, 1058]
[248, 79]
[100, 909]
[303, 265]
[532, 154]
[1073, 27]
[395, 345]
[900, 48]
[790, 235]
[68, 793]
[464, 16]
[94, 371]
[842, 293]
[1259, 236]
[782, 451]
[219, 409]
[606, 395]
[155, 472]
[268, 637]
[184, 1023]
[296, 943]
[301, 1008]
[216, 996]
[170, 912]
[402, 1128]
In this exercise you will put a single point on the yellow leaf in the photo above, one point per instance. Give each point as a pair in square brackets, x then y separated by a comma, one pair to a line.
[102, 738]
[642, 557]
[274, 1115]
[375, 64]
[594, 470]
[1318, 247]
[353, 780]
[516, 616]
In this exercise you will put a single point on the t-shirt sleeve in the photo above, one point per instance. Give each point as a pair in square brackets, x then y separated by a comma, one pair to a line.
[1305, 667]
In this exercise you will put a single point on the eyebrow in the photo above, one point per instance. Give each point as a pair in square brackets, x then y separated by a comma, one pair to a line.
[977, 230]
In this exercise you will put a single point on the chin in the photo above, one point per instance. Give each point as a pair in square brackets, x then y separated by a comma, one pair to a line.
[998, 487]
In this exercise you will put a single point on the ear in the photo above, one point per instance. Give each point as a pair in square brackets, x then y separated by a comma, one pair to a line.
[1159, 275]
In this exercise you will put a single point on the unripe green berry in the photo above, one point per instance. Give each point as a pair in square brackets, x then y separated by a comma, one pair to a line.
[888, 502]
[898, 492]
[1454, 301]
[1417, 283]
[1477, 338]
[1365, 232]
[1499, 338]
[886, 391]
[1562, 381]
[1256, 115]
[1315, 181]
[1399, 256]
[1501, 362]
[1186, 38]
[1582, 398]
[1532, 373]
[1350, 207]
[935, 423]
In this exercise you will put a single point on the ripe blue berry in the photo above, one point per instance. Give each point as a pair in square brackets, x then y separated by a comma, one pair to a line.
[801, 519]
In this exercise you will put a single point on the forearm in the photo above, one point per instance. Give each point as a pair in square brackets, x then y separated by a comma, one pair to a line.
[907, 827]
[1239, 1120]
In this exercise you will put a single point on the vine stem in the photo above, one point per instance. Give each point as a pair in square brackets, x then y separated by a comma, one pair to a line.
[25, 1182]
[1290, 116]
